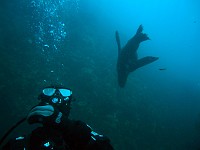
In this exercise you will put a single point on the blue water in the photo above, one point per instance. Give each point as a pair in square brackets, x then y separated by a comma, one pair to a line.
[72, 42]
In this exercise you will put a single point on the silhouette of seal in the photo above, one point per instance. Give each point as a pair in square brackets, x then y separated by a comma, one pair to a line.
[128, 61]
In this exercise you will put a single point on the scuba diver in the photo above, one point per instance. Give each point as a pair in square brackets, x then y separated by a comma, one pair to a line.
[57, 132]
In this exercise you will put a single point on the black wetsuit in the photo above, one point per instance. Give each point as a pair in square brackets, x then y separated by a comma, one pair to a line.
[77, 135]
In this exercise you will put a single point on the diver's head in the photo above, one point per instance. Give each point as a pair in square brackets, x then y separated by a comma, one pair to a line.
[57, 96]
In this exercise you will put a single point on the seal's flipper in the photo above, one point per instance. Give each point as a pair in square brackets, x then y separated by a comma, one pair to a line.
[143, 61]
[140, 37]
[118, 42]
[140, 29]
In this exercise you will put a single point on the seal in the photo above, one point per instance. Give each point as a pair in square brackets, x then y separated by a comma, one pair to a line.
[128, 61]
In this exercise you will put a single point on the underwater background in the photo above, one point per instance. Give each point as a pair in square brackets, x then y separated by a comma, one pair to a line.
[72, 42]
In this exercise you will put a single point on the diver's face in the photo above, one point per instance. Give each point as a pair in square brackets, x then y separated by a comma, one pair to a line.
[57, 96]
